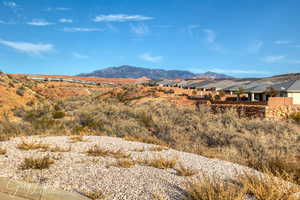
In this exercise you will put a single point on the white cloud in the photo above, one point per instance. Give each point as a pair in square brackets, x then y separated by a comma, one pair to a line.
[273, 59]
[255, 46]
[39, 22]
[120, 18]
[58, 9]
[191, 28]
[282, 42]
[210, 40]
[210, 35]
[139, 29]
[65, 20]
[29, 48]
[148, 57]
[79, 56]
[79, 29]
[10, 4]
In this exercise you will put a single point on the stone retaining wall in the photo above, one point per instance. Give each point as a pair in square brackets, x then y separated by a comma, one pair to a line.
[247, 110]
[281, 112]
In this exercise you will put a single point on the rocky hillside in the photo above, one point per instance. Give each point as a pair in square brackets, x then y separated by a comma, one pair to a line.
[126, 71]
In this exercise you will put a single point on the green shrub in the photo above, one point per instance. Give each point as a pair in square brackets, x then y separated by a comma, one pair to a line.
[58, 114]
[20, 91]
[295, 117]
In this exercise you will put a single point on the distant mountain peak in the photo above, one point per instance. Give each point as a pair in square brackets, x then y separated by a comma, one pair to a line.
[128, 71]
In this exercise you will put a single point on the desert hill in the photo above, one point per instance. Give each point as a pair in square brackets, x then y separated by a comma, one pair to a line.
[127, 71]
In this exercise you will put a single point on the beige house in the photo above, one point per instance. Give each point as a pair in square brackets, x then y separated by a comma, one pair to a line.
[289, 89]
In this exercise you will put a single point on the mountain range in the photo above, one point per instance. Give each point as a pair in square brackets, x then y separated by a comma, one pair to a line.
[127, 71]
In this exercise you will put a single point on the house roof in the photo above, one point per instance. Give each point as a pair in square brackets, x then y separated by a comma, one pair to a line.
[250, 86]
[221, 84]
[200, 84]
[289, 86]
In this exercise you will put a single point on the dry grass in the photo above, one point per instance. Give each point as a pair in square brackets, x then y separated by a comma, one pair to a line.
[59, 149]
[147, 139]
[139, 149]
[32, 146]
[158, 148]
[254, 142]
[36, 163]
[160, 162]
[2, 151]
[124, 163]
[77, 138]
[4, 137]
[98, 151]
[183, 171]
[158, 196]
[94, 195]
[247, 187]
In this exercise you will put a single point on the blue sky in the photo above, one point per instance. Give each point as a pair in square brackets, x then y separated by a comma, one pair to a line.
[240, 38]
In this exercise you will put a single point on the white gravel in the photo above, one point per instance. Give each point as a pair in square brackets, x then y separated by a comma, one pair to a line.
[76, 171]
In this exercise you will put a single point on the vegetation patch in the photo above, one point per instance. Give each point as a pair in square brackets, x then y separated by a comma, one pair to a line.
[94, 195]
[78, 138]
[98, 151]
[183, 171]
[36, 163]
[160, 162]
[247, 187]
[32, 146]
[2, 151]
[124, 163]
[59, 149]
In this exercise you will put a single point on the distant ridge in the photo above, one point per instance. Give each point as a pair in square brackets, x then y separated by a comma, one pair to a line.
[127, 71]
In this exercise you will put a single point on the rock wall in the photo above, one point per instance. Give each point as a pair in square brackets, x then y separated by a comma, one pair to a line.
[281, 112]
[243, 110]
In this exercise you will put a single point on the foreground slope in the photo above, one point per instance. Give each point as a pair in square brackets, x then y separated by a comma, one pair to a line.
[95, 165]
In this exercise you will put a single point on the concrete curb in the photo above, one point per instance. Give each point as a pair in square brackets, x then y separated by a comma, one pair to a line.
[17, 190]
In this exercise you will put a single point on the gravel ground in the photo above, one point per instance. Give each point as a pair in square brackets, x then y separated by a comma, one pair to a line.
[76, 171]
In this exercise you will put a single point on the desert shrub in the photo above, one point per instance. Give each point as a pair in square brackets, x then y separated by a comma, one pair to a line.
[2, 151]
[20, 91]
[58, 114]
[295, 117]
[36, 163]
[246, 187]
[225, 135]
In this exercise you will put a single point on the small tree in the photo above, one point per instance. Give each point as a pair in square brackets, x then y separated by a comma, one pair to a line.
[272, 92]
[239, 92]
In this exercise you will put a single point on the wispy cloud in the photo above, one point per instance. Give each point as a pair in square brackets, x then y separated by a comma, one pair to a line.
[58, 9]
[80, 29]
[29, 48]
[190, 29]
[294, 62]
[120, 18]
[210, 35]
[255, 46]
[111, 27]
[65, 20]
[10, 4]
[39, 22]
[148, 57]
[139, 29]
[282, 42]
[4, 22]
[273, 59]
[210, 40]
[79, 56]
